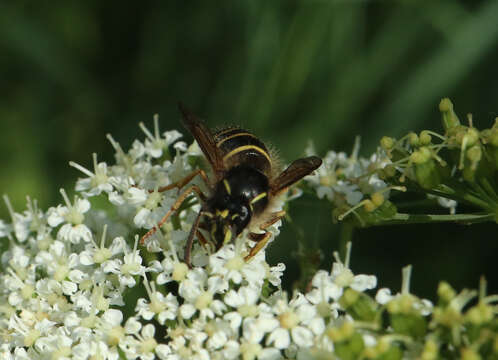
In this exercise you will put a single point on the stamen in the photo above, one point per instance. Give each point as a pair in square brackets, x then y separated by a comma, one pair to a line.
[9, 207]
[146, 131]
[405, 283]
[104, 233]
[66, 199]
[156, 126]
[114, 143]
[349, 245]
[95, 162]
[81, 168]
[356, 148]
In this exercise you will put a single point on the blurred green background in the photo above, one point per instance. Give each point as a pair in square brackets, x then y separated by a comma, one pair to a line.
[291, 71]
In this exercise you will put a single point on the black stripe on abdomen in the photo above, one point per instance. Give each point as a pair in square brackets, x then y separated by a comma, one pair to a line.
[239, 147]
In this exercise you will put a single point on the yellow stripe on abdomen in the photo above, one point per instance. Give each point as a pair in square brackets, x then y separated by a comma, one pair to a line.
[218, 144]
[244, 148]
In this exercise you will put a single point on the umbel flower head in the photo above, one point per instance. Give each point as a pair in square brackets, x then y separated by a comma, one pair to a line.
[75, 284]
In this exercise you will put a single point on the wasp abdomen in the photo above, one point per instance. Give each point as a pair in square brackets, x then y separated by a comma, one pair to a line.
[240, 147]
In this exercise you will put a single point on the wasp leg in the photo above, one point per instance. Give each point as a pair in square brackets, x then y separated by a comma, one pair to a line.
[190, 239]
[262, 239]
[261, 242]
[184, 181]
[202, 239]
[175, 207]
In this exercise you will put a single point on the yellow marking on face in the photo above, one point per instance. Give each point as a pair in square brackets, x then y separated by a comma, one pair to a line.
[234, 216]
[258, 197]
[234, 136]
[247, 147]
[228, 236]
[223, 213]
[227, 186]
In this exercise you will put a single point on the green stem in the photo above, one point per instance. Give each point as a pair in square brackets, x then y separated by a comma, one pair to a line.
[345, 236]
[489, 189]
[482, 194]
[461, 196]
[428, 218]
[423, 203]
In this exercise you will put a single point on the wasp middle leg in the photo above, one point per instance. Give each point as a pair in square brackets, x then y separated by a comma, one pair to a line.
[183, 196]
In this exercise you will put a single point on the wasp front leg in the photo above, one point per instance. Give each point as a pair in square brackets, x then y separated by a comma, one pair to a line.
[183, 196]
[262, 239]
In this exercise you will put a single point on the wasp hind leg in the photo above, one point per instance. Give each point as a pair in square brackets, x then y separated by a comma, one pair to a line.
[262, 239]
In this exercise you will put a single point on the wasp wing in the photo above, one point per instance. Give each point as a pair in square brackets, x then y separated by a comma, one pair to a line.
[295, 172]
[204, 138]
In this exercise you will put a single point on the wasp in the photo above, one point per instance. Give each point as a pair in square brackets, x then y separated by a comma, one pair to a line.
[245, 181]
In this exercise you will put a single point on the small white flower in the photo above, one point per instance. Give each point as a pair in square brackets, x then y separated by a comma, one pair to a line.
[230, 264]
[160, 306]
[384, 296]
[97, 181]
[293, 318]
[72, 214]
[127, 268]
[199, 293]
[344, 277]
[155, 145]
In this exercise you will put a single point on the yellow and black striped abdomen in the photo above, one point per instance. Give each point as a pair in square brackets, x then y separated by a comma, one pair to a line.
[240, 147]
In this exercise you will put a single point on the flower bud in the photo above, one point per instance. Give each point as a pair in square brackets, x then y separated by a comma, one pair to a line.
[413, 139]
[431, 351]
[350, 349]
[480, 314]
[347, 343]
[427, 174]
[369, 205]
[474, 154]
[425, 138]
[413, 325]
[450, 119]
[387, 143]
[377, 198]
[445, 292]
[420, 156]
[359, 305]
[493, 137]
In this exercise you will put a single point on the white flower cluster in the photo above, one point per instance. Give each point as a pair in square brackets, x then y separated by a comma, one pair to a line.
[72, 275]
[347, 180]
[344, 179]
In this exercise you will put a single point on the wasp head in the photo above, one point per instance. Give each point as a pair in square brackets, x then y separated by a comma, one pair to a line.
[228, 217]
